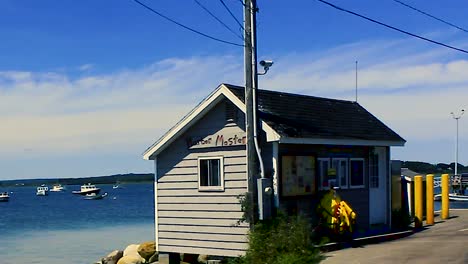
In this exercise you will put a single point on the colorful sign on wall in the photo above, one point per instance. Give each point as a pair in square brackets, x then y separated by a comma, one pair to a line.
[298, 175]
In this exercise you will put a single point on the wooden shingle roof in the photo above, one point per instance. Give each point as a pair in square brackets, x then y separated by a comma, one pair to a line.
[302, 116]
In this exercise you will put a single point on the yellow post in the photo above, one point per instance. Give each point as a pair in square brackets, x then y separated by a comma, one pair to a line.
[430, 199]
[445, 196]
[418, 201]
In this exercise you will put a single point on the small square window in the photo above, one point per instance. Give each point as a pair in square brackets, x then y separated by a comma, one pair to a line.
[356, 173]
[210, 174]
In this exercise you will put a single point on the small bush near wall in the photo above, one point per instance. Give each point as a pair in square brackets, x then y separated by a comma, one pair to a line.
[400, 219]
[283, 240]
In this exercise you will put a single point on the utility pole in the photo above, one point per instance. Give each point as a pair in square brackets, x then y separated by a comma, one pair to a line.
[250, 59]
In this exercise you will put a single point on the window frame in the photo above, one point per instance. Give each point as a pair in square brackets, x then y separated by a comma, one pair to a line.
[363, 172]
[218, 188]
[346, 171]
[321, 177]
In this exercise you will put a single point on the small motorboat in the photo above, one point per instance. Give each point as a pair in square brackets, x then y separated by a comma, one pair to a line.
[57, 188]
[4, 197]
[87, 189]
[94, 196]
[42, 190]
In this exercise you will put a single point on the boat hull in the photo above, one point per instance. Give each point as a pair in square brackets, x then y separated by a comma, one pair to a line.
[453, 197]
[96, 191]
[4, 199]
[95, 197]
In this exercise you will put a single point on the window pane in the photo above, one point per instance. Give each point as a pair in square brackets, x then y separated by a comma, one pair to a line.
[204, 173]
[343, 173]
[357, 172]
[215, 178]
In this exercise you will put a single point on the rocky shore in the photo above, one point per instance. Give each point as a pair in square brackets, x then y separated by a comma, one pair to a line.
[146, 253]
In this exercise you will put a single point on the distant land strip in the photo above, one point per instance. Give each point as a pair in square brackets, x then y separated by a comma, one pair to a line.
[110, 179]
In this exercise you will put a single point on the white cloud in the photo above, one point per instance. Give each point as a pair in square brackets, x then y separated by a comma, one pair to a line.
[56, 114]
[86, 67]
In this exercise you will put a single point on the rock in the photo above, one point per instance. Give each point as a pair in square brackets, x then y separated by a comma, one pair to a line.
[113, 257]
[147, 249]
[131, 260]
[202, 258]
[154, 258]
[131, 250]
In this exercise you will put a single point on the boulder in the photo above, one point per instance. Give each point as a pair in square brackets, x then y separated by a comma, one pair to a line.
[131, 260]
[113, 257]
[147, 249]
[131, 250]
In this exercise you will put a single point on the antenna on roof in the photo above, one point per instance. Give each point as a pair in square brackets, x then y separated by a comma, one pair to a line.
[356, 80]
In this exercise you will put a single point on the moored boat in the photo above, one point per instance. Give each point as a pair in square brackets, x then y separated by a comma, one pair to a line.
[94, 196]
[42, 190]
[57, 188]
[87, 189]
[453, 197]
[4, 197]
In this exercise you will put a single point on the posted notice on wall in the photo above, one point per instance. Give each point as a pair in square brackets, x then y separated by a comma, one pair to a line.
[298, 175]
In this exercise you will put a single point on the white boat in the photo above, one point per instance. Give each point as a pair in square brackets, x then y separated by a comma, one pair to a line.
[42, 190]
[87, 188]
[453, 197]
[57, 188]
[115, 186]
[94, 196]
[4, 197]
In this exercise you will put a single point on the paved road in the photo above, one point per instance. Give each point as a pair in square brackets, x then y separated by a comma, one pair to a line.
[445, 242]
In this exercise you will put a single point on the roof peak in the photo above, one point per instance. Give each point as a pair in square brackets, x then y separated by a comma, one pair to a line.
[231, 86]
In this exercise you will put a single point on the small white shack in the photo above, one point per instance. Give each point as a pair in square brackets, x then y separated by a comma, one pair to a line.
[307, 144]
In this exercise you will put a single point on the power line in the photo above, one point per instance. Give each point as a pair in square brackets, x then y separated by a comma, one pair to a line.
[429, 15]
[219, 20]
[391, 27]
[233, 16]
[186, 27]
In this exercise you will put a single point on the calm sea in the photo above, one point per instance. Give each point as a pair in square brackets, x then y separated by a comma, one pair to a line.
[65, 228]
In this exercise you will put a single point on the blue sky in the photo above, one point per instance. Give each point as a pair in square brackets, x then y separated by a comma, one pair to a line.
[86, 86]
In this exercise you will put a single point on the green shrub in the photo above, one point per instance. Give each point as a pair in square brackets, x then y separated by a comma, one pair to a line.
[283, 240]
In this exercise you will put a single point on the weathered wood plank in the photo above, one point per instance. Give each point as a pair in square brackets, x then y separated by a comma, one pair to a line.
[200, 200]
[200, 243]
[200, 214]
[199, 221]
[203, 236]
[195, 192]
[198, 207]
[201, 250]
[238, 230]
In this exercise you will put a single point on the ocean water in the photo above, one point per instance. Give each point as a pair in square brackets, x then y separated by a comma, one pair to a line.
[65, 228]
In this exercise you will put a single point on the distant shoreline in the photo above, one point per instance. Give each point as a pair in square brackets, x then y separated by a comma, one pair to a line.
[110, 179]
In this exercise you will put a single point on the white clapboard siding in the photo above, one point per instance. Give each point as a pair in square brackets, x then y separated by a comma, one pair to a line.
[199, 221]
[194, 192]
[174, 158]
[199, 200]
[202, 250]
[194, 185]
[200, 214]
[236, 230]
[203, 243]
[194, 221]
[203, 236]
[194, 177]
[179, 178]
[198, 207]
